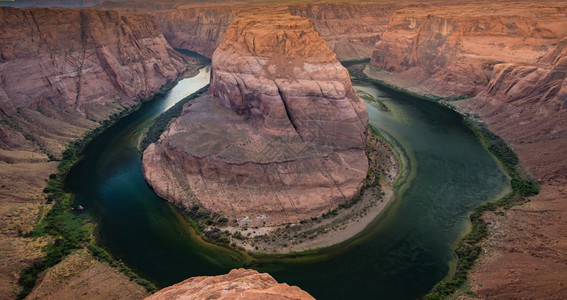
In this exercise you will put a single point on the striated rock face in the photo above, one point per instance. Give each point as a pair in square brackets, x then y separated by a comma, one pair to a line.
[350, 28]
[64, 70]
[238, 284]
[281, 139]
[453, 49]
[526, 106]
[542, 84]
[275, 72]
[512, 58]
[196, 27]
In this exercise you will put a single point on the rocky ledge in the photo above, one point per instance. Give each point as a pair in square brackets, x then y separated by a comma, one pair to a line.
[238, 284]
[281, 137]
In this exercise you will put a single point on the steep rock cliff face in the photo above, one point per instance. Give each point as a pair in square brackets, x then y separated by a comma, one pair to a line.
[512, 59]
[526, 106]
[283, 138]
[350, 28]
[196, 27]
[542, 84]
[64, 70]
[238, 284]
[453, 49]
[61, 73]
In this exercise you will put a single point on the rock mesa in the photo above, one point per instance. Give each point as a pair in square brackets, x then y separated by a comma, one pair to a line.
[280, 138]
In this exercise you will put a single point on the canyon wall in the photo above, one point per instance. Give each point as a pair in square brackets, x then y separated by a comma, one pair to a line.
[281, 138]
[238, 284]
[62, 72]
[511, 59]
[452, 50]
[350, 28]
[195, 27]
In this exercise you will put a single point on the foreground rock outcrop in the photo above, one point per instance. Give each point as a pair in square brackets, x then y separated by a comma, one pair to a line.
[238, 284]
[62, 72]
[511, 59]
[280, 139]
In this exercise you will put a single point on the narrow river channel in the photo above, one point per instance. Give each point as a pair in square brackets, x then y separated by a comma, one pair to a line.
[400, 256]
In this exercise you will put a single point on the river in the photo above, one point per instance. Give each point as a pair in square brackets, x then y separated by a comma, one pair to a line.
[400, 256]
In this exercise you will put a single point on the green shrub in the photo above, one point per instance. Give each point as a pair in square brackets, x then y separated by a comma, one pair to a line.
[468, 249]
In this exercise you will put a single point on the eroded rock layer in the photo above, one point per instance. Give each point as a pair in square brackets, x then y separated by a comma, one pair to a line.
[281, 138]
[350, 28]
[526, 105]
[512, 59]
[62, 72]
[238, 284]
[452, 49]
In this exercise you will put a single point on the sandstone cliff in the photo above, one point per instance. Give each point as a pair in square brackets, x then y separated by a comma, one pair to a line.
[64, 70]
[511, 58]
[51, 3]
[61, 73]
[526, 105]
[196, 27]
[281, 139]
[238, 284]
[453, 49]
[350, 28]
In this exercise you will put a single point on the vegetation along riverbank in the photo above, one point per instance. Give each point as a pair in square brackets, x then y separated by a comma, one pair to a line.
[68, 232]
[469, 247]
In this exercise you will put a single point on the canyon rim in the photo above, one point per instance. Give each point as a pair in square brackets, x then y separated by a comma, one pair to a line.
[63, 72]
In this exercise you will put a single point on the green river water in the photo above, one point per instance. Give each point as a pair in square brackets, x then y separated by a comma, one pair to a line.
[400, 256]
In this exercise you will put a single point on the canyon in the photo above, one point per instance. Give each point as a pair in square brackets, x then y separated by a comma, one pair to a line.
[509, 60]
[350, 28]
[63, 72]
[67, 72]
[281, 137]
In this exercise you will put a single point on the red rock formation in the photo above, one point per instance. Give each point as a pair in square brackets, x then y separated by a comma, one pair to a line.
[282, 140]
[238, 284]
[350, 28]
[513, 59]
[452, 49]
[51, 3]
[64, 70]
[196, 27]
[526, 105]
